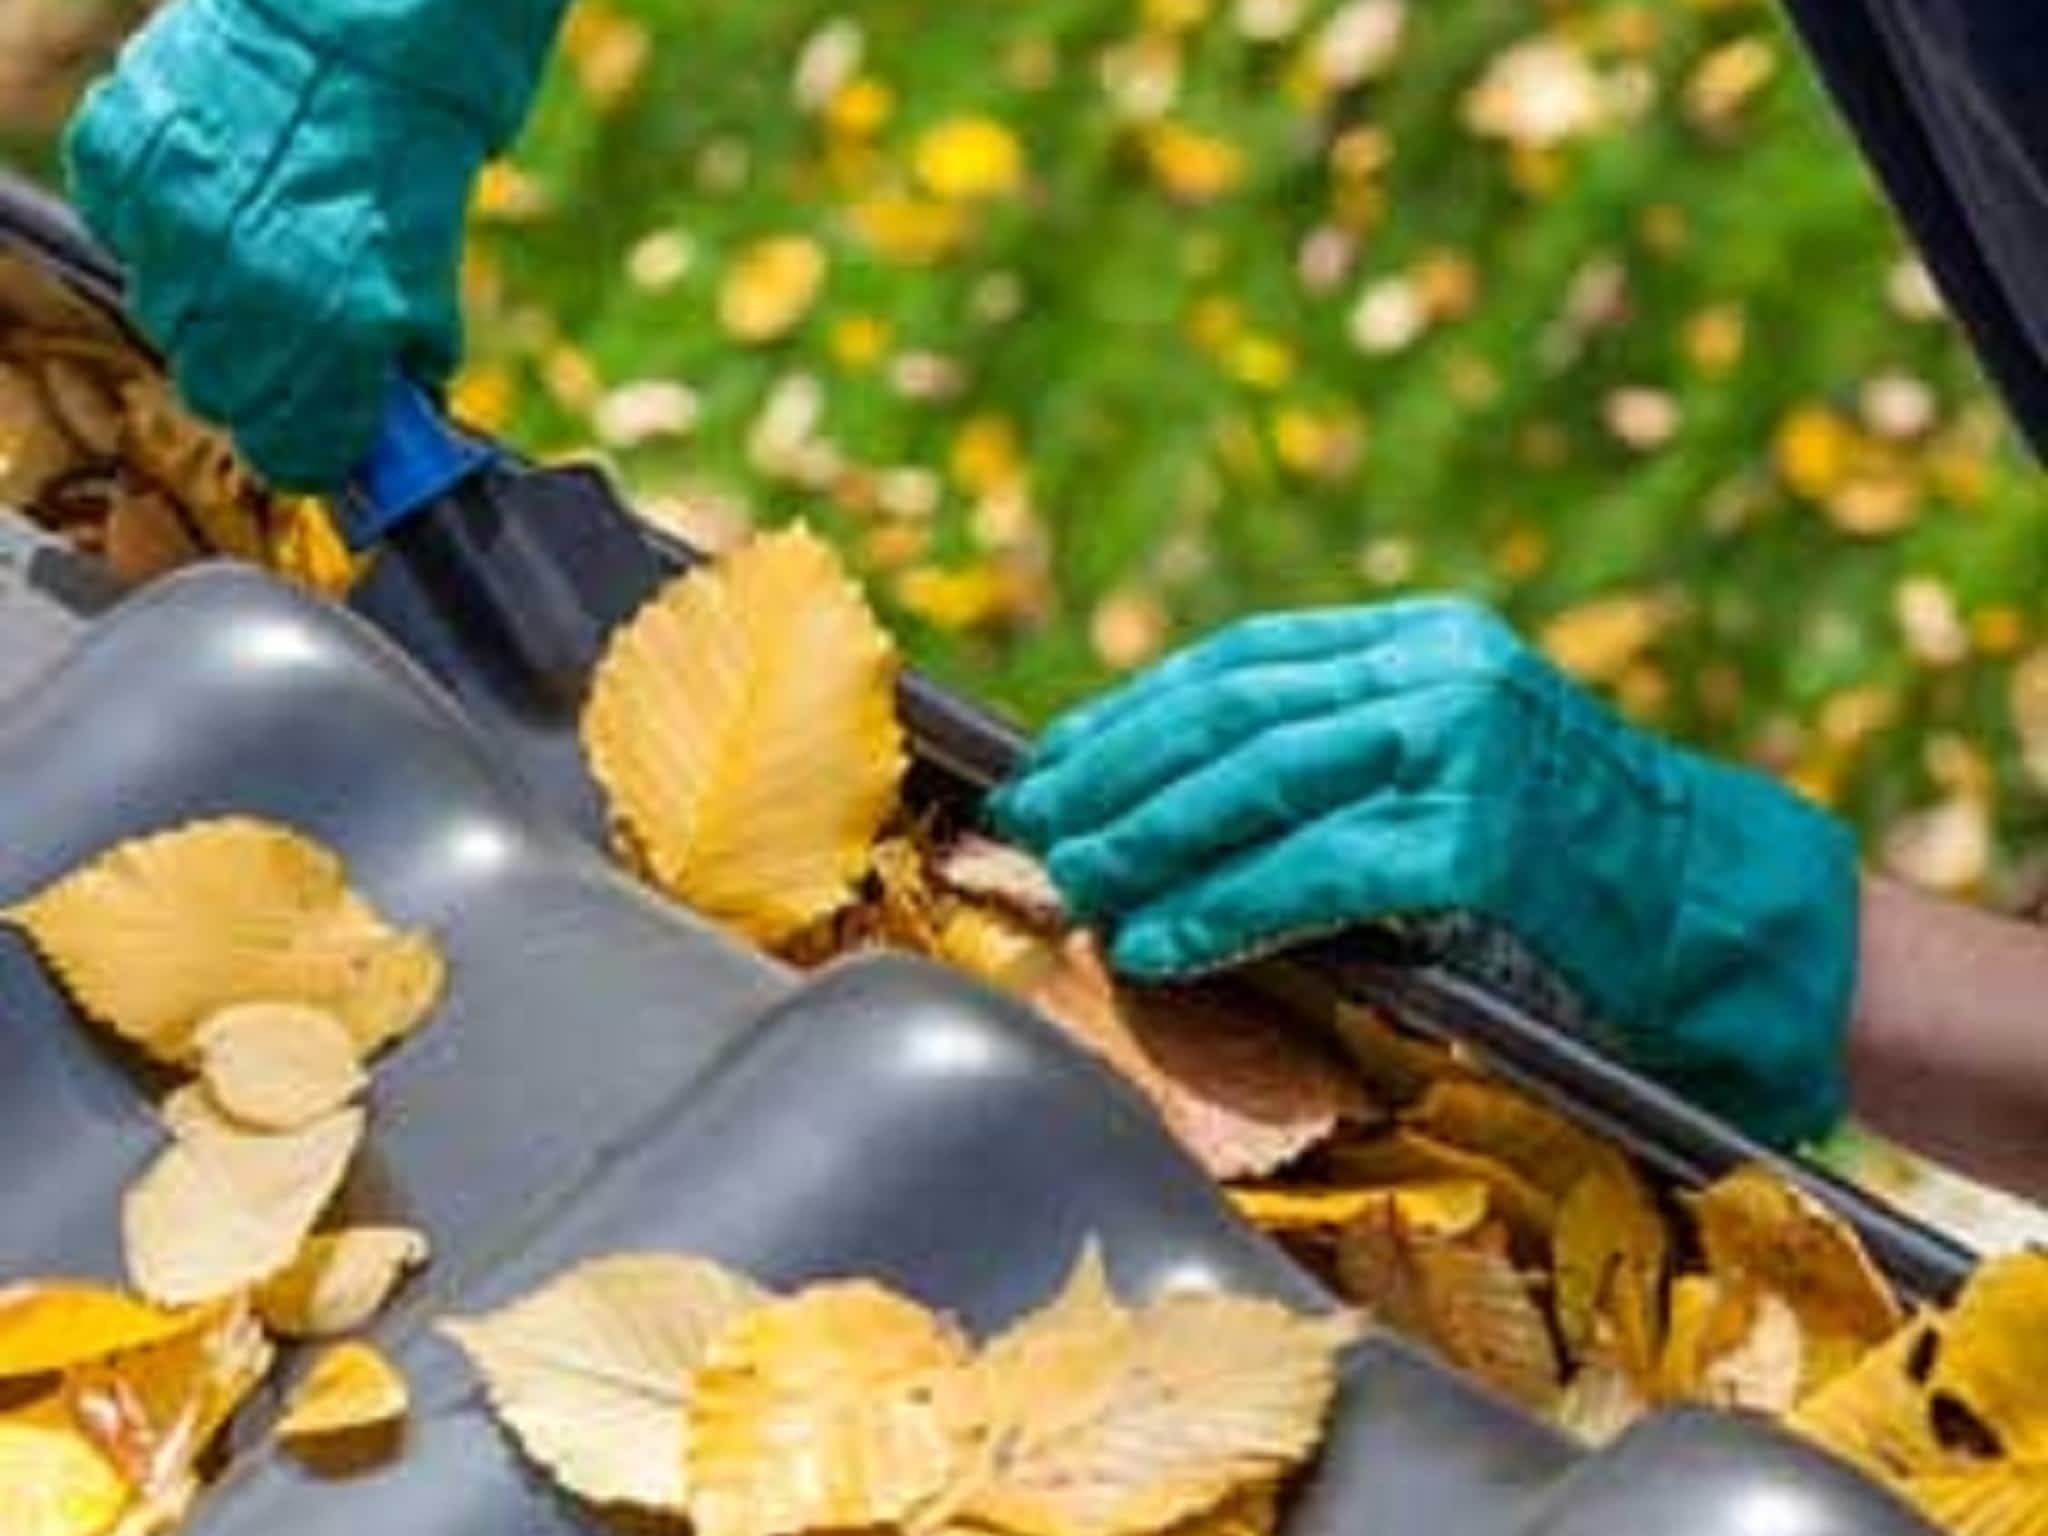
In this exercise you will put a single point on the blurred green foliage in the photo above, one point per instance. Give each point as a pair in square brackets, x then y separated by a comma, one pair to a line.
[1087, 325]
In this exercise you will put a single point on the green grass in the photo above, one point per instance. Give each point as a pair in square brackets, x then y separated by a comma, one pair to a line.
[1158, 504]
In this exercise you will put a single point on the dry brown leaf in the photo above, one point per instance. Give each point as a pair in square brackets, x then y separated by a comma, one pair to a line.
[1877, 1415]
[1441, 1208]
[1461, 1295]
[350, 1387]
[1759, 1233]
[1397, 1068]
[1609, 1251]
[51, 1325]
[222, 1211]
[1008, 878]
[160, 933]
[53, 1481]
[743, 727]
[277, 1066]
[1101, 1420]
[826, 1411]
[1244, 1092]
[339, 1281]
[1993, 1361]
[593, 1373]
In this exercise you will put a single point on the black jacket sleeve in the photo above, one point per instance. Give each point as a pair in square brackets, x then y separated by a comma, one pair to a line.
[1949, 99]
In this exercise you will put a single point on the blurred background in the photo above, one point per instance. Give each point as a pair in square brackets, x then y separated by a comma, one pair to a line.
[1086, 325]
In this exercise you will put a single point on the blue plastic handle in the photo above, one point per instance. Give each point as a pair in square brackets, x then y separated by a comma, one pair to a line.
[417, 458]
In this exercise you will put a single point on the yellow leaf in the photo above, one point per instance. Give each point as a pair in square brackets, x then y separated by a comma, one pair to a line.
[1602, 1402]
[1406, 1156]
[744, 728]
[1253, 1511]
[339, 1281]
[2008, 1497]
[771, 288]
[1461, 1295]
[1442, 1208]
[1103, 1421]
[1876, 1415]
[53, 1482]
[1762, 1371]
[991, 945]
[826, 1411]
[154, 1411]
[53, 1325]
[308, 550]
[594, 1372]
[162, 932]
[221, 1211]
[350, 1387]
[1608, 1252]
[1759, 1233]
[969, 159]
[277, 1066]
[189, 1112]
[1505, 1127]
[1993, 1359]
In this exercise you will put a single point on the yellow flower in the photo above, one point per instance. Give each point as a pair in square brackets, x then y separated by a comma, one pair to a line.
[859, 342]
[1174, 15]
[970, 159]
[771, 288]
[607, 51]
[1193, 167]
[915, 231]
[860, 109]
[1716, 338]
[1316, 445]
[986, 459]
[506, 194]
[1815, 451]
[1599, 640]
[954, 600]
[1261, 362]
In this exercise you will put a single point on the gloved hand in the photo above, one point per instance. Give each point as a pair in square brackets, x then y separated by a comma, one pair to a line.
[1302, 772]
[286, 181]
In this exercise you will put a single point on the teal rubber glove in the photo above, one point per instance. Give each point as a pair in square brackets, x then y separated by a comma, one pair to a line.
[286, 181]
[1301, 773]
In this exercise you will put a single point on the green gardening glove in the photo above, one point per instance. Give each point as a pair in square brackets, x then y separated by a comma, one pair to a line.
[286, 181]
[1303, 772]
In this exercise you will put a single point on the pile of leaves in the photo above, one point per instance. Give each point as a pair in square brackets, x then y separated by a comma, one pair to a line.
[95, 447]
[743, 728]
[233, 956]
[674, 1385]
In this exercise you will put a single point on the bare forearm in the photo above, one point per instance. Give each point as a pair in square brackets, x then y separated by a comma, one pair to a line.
[1948, 1051]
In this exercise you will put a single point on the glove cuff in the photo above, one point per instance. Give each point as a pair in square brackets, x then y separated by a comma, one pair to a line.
[1759, 974]
[481, 61]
